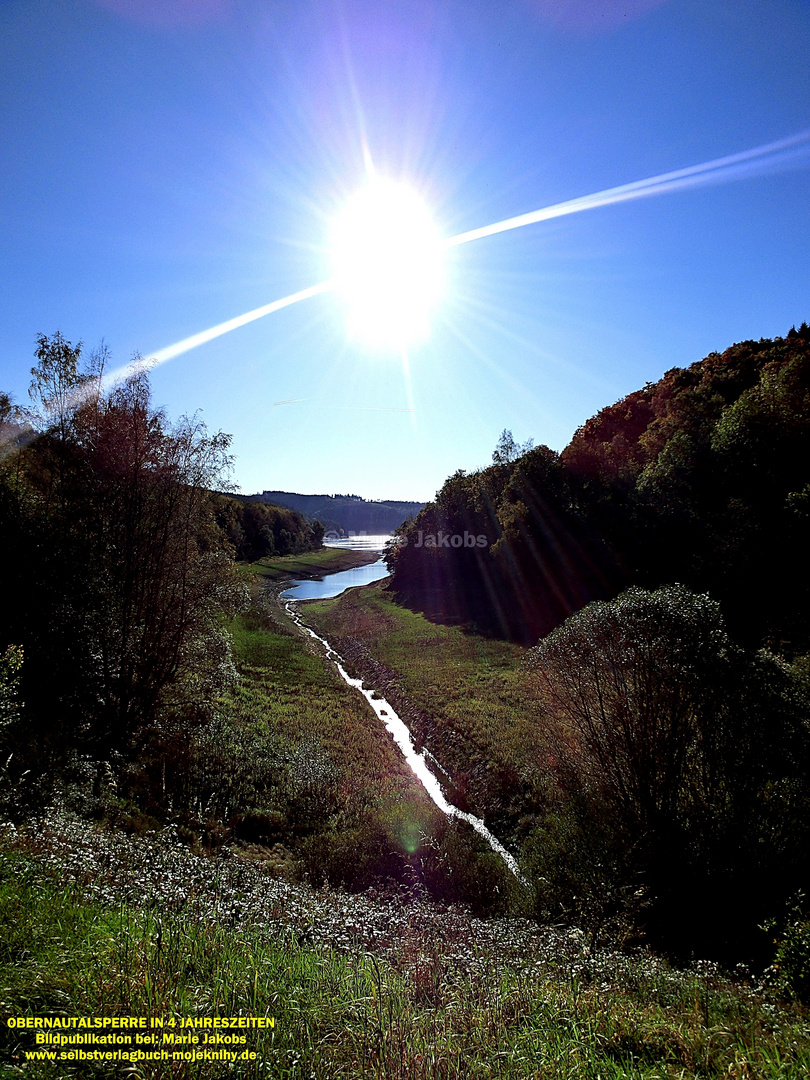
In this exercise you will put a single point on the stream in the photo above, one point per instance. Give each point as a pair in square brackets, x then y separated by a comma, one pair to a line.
[402, 737]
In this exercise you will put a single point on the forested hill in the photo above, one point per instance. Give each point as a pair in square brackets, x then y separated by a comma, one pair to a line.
[701, 478]
[256, 529]
[345, 514]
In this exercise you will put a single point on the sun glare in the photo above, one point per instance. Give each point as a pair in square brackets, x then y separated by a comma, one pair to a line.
[387, 258]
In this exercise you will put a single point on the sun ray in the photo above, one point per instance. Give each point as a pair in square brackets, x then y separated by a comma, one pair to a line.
[320, 404]
[406, 372]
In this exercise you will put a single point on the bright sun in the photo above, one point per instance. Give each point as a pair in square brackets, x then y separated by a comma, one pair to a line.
[387, 258]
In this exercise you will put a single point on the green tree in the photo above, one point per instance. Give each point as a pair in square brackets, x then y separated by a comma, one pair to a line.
[113, 568]
[692, 754]
[507, 450]
[161, 579]
[57, 382]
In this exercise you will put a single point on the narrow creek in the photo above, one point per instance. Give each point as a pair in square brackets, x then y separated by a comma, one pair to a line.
[402, 737]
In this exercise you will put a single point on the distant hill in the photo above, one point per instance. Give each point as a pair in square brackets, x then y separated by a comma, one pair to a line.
[344, 514]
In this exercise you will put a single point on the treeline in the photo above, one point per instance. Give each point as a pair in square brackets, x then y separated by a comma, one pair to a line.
[534, 560]
[257, 530]
[116, 572]
[345, 513]
[702, 478]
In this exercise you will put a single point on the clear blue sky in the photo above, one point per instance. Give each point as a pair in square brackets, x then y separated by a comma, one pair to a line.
[167, 165]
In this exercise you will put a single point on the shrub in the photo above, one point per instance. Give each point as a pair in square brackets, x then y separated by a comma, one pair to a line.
[681, 758]
[578, 865]
[790, 971]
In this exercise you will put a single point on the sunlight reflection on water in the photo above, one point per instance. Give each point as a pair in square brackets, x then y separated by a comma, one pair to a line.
[402, 736]
[335, 584]
[359, 542]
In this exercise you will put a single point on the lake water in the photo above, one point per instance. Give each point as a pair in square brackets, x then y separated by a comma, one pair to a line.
[335, 584]
[357, 542]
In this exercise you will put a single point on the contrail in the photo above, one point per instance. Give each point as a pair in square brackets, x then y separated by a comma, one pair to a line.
[747, 163]
[204, 336]
[370, 408]
[326, 405]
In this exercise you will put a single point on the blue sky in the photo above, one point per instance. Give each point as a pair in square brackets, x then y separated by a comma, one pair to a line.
[167, 166]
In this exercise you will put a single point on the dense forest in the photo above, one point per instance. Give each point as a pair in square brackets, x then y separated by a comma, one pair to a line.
[345, 514]
[701, 478]
[258, 529]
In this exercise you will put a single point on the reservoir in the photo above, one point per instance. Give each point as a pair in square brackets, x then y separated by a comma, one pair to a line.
[335, 584]
[358, 541]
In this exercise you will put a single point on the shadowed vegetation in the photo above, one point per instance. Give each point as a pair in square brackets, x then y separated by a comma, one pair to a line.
[463, 695]
[648, 759]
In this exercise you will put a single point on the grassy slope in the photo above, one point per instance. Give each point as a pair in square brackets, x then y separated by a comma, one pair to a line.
[290, 695]
[413, 1014]
[288, 689]
[465, 693]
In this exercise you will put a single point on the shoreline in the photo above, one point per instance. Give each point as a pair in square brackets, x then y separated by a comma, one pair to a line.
[275, 575]
[312, 565]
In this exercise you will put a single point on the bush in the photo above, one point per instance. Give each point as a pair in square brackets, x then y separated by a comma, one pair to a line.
[416, 849]
[680, 760]
[790, 971]
[578, 864]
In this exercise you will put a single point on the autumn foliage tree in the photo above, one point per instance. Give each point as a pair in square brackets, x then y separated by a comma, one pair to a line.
[701, 477]
[114, 573]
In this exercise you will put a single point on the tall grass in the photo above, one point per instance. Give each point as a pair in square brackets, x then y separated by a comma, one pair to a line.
[412, 1013]
[464, 695]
